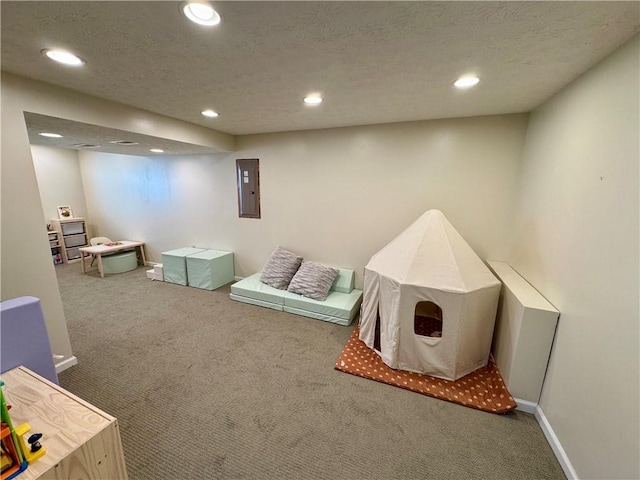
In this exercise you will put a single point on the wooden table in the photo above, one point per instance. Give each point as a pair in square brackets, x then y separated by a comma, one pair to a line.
[81, 441]
[107, 248]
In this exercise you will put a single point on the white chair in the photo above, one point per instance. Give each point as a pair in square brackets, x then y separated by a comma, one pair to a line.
[99, 241]
[95, 241]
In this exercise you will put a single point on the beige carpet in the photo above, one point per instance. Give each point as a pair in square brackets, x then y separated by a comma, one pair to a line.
[483, 389]
[207, 388]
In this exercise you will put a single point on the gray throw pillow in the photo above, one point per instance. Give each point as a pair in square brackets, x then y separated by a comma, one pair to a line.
[313, 280]
[280, 268]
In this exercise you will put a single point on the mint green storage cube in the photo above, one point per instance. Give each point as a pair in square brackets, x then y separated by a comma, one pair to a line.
[210, 269]
[174, 264]
[119, 262]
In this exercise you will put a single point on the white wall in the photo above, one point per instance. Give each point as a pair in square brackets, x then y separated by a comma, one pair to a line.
[335, 196]
[577, 243]
[26, 267]
[59, 180]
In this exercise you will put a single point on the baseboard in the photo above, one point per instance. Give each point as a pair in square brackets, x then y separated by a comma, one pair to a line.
[559, 452]
[66, 363]
[526, 406]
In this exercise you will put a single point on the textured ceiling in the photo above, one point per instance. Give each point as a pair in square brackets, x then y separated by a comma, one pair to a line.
[83, 136]
[374, 62]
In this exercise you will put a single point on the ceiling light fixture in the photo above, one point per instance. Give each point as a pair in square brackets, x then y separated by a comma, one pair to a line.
[466, 82]
[86, 145]
[156, 150]
[210, 113]
[201, 13]
[62, 56]
[312, 99]
[50, 135]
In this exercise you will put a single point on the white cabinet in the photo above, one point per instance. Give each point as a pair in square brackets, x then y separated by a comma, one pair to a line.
[72, 234]
[523, 336]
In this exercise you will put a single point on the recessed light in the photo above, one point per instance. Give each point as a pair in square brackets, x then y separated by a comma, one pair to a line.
[62, 56]
[85, 145]
[466, 82]
[50, 135]
[201, 13]
[156, 150]
[312, 99]
[210, 113]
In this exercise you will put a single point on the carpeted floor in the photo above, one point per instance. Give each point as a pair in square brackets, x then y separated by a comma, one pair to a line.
[208, 388]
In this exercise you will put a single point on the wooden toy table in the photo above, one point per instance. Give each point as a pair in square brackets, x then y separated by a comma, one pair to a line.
[81, 441]
[107, 248]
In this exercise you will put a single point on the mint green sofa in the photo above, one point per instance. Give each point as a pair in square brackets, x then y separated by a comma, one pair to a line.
[341, 306]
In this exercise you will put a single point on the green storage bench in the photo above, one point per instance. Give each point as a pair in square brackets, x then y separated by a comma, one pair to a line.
[174, 264]
[210, 269]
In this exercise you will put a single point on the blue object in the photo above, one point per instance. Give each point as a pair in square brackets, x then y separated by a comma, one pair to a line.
[24, 339]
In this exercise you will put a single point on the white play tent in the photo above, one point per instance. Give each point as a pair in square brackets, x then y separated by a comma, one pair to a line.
[429, 274]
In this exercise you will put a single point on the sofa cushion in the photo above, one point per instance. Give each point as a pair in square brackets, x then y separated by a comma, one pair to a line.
[252, 287]
[280, 268]
[259, 303]
[318, 316]
[313, 280]
[337, 304]
[345, 281]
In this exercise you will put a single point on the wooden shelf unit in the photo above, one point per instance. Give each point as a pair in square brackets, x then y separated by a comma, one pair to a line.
[72, 234]
[54, 244]
[81, 441]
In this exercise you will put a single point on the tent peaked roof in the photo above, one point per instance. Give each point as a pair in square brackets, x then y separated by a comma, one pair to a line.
[431, 253]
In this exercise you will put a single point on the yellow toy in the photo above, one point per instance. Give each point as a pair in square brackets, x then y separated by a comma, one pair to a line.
[35, 450]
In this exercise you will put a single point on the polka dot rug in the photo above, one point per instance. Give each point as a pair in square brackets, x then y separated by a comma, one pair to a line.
[482, 389]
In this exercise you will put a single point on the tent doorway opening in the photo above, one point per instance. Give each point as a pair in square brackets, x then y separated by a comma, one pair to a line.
[428, 320]
[376, 338]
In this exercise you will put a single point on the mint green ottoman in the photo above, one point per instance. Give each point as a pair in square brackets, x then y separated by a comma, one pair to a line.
[120, 262]
[210, 269]
[174, 264]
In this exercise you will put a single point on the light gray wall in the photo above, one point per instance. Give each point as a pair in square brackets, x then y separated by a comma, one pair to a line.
[577, 243]
[59, 180]
[335, 196]
[25, 257]
[26, 267]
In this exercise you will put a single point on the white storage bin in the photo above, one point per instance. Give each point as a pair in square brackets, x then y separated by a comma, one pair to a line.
[72, 228]
[75, 240]
[73, 253]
